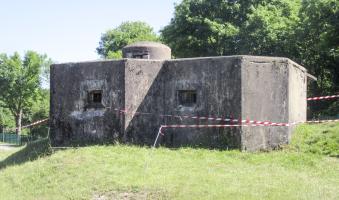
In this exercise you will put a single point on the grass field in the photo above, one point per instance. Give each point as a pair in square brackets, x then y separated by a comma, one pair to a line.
[307, 169]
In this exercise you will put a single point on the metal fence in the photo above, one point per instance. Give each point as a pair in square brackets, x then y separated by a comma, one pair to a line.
[13, 138]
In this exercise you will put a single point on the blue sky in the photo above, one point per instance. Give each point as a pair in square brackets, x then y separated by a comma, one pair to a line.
[70, 30]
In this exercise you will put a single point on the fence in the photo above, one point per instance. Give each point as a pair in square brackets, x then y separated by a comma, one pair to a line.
[13, 138]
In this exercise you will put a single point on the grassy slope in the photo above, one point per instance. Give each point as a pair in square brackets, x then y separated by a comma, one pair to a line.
[317, 138]
[174, 174]
[5, 154]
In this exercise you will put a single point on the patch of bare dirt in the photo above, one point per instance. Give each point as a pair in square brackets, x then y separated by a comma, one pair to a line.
[129, 195]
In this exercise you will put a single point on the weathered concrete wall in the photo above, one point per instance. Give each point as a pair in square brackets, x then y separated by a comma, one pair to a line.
[273, 89]
[246, 87]
[297, 94]
[264, 98]
[70, 120]
[217, 82]
[143, 93]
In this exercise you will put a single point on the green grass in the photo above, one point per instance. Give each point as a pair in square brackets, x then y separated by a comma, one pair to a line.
[31, 152]
[144, 173]
[5, 154]
[317, 138]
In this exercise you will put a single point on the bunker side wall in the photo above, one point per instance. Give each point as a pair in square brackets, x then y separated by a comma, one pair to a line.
[217, 83]
[72, 118]
[297, 94]
[265, 97]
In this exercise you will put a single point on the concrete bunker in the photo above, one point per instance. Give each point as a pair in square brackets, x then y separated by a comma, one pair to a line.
[128, 99]
[147, 50]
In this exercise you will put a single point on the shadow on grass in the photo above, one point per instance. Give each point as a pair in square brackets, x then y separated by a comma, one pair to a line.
[31, 152]
[41, 148]
[8, 145]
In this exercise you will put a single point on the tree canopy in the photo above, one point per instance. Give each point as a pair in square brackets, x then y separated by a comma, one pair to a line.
[317, 40]
[20, 82]
[115, 39]
[218, 27]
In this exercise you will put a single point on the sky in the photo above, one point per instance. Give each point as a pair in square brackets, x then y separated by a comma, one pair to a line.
[70, 30]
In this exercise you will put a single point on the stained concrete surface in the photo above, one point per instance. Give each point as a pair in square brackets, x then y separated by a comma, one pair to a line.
[259, 88]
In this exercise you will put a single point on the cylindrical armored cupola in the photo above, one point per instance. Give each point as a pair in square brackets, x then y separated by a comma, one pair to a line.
[147, 50]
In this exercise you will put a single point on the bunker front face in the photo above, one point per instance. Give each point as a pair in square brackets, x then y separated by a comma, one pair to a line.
[128, 100]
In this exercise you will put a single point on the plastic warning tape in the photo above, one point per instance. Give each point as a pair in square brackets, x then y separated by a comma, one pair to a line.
[160, 132]
[322, 121]
[237, 122]
[36, 123]
[237, 125]
[216, 125]
[323, 97]
[230, 120]
[240, 125]
[29, 125]
[209, 125]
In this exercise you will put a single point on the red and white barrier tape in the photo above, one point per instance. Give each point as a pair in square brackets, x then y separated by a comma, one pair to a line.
[232, 125]
[241, 122]
[35, 123]
[29, 125]
[322, 121]
[238, 125]
[230, 120]
[236, 122]
[323, 97]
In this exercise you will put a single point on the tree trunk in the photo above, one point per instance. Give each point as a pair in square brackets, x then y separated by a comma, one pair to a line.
[18, 118]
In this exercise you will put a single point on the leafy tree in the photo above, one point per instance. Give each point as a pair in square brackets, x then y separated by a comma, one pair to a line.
[39, 110]
[218, 27]
[270, 29]
[115, 39]
[318, 42]
[206, 27]
[318, 37]
[5, 119]
[19, 83]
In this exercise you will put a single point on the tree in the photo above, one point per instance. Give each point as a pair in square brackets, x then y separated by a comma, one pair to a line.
[318, 36]
[19, 82]
[318, 42]
[39, 110]
[218, 27]
[270, 29]
[5, 119]
[115, 39]
[205, 28]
